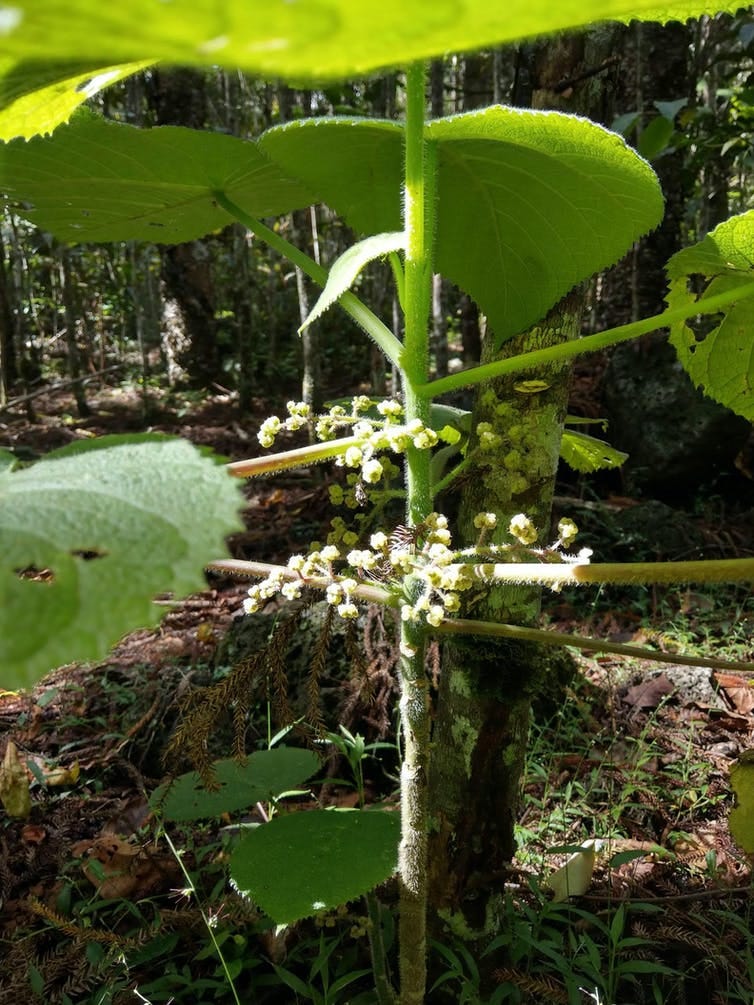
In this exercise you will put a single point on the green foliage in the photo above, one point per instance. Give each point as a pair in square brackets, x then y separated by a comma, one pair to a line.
[265, 775]
[328, 39]
[97, 180]
[88, 537]
[36, 97]
[742, 815]
[303, 863]
[344, 272]
[529, 203]
[587, 453]
[720, 361]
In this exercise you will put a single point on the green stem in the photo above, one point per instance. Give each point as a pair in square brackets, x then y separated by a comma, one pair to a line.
[207, 923]
[461, 626]
[382, 986]
[414, 703]
[590, 343]
[348, 301]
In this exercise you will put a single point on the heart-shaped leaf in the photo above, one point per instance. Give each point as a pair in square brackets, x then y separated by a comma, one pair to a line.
[302, 863]
[529, 203]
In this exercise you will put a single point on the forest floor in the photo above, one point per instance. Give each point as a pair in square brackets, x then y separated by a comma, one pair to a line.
[94, 906]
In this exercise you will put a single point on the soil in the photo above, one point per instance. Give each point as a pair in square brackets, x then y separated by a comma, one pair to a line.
[93, 738]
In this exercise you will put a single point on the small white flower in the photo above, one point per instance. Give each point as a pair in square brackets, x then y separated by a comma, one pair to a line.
[523, 529]
[334, 594]
[567, 531]
[485, 521]
[291, 591]
[435, 615]
[348, 610]
[353, 457]
[371, 471]
[378, 541]
[330, 553]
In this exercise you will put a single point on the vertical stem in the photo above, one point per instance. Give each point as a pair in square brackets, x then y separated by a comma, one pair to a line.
[412, 861]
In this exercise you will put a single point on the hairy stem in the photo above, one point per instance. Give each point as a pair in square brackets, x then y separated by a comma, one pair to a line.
[590, 343]
[414, 703]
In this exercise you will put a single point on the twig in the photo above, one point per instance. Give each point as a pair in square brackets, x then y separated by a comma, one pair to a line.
[62, 385]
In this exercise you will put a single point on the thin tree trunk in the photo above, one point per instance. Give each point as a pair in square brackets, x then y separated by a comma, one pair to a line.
[72, 310]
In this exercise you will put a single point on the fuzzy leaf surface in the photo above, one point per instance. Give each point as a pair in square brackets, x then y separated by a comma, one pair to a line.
[346, 268]
[302, 863]
[89, 535]
[720, 362]
[36, 97]
[95, 180]
[322, 39]
[529, 202]
[587, 453]
[265, 775]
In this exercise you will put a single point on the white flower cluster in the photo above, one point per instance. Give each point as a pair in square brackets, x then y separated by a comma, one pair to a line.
[423, 557]
[298, 416]
[372, 436]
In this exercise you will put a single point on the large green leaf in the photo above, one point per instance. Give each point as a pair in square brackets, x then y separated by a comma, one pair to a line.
[302, 863]
[90, 535]
[95, 180]
[37, 97]
[720, 361]
[530, 202]
[311, 38]
[264, 775]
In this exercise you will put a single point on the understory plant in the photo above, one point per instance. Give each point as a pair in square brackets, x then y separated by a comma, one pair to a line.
[515, 206]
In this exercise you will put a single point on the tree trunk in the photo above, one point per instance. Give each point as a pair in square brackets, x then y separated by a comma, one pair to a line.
[486, 688]
[179, 98]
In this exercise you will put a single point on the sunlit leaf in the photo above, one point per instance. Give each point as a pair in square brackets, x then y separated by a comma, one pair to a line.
[89, 536]
[36, 97]
[96, 180]
[741, 820]
[587, 453]
[719, 357]
[529, 203]
[327, 38]
[264, 775]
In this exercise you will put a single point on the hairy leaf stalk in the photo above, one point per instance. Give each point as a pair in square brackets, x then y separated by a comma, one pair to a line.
[414, 703]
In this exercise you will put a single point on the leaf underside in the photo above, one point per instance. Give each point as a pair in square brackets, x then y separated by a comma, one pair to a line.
[718, 357]
[302, 863]
[96, 180]
[37, 97]
[529, 203]
[90, 535]
[587, 453]
[326, 39]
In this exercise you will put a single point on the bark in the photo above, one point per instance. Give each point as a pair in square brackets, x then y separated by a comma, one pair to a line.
[8, 361]
[72, 314]
[179, 97]
[486, 688]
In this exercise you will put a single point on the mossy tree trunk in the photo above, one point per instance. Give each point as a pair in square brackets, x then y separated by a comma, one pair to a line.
[486, 689]
[487, 686]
